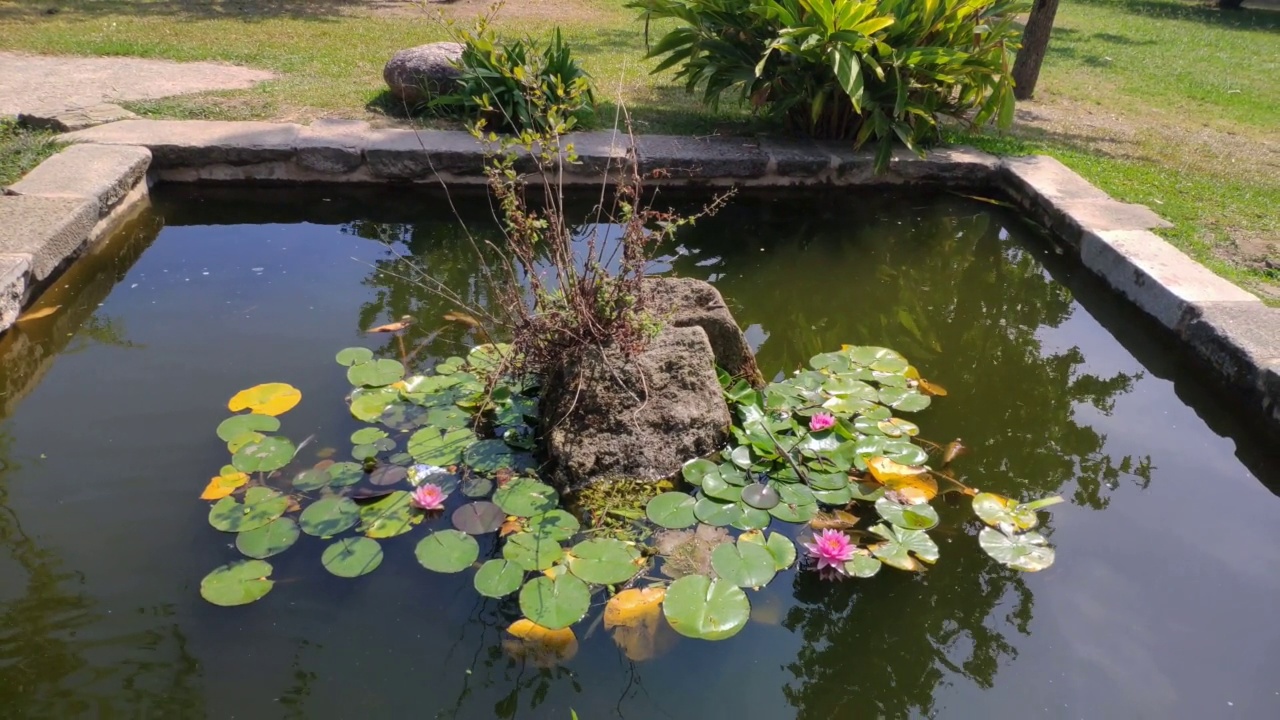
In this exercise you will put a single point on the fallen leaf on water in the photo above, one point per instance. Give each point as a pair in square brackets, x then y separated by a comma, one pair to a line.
[463, 318]
[954, 449]
[223, 485]
[541, 647]
[635, 616]
[403, 323]
[41, 313]
[835, 520]
[930, 388]
[509, 526]
[910, 481]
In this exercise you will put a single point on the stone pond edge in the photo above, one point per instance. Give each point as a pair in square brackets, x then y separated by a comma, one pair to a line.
[77, 197]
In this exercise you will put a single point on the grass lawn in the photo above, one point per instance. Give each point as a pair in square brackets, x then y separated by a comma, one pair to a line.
[1160, 102]
[21, 150]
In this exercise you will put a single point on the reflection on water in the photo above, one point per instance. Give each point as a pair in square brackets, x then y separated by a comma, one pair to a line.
[98, 610]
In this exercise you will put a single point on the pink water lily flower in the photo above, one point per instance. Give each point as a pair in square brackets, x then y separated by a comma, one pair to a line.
[832, 548]
[428, 496]
[821, 421]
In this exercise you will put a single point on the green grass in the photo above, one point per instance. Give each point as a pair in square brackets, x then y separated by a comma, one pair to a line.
[22, 149]
[1161, 102]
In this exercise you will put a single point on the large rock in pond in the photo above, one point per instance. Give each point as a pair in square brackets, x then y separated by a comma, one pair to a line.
[686, 302]
[608, 416]
[420, 73]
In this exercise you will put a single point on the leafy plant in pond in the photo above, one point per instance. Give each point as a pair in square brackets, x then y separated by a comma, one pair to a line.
[848, 69]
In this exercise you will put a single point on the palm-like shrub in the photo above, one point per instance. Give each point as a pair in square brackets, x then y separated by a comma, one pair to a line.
[853, 69]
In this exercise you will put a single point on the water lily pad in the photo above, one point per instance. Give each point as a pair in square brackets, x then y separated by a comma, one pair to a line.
[266, 399]
[367, 435]
[760, 496]
[447, 551]
[741, 456]
[780, 548]
[531, 552]
[605, 561]
[345, 473]
[389, 516]
[402, 416]
[555, 603]
[752, 518]
[862, 566]
[434, 446]
[554, 524]
[920, 516]
[498, 578]
[239, 441]
[478, 518]
[476, 486]
[904, 451]
[237, 425]
[904, 399]
[237, 583]
[1028, 551]
[834, 497]
[901, 548]
[329, 516]
[672, 510]
[352, 557]
[354, 356]
[448, 417]
[717, 513]
[490, 456]
[788, 512]
[695, 470]
[369, 404]
[364, 452]
[261, 505]
[388, 475]
[698, 607]
[714, 485]
[525, 497]
[265, 455]
[375, 373]
[271, 539]
[312, 479]
[996, 510]
[744, 564]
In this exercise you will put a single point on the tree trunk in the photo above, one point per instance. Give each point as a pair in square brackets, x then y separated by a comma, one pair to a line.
[1035, 41]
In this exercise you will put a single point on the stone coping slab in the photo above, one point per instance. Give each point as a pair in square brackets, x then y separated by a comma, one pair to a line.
[101, 173]
[1224, 327]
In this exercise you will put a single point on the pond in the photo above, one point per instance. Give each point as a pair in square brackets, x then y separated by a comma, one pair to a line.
[1160, 604]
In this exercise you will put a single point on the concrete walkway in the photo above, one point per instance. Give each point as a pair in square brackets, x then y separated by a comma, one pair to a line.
[36, 82]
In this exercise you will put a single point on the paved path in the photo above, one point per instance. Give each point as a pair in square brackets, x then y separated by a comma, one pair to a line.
[30, 82]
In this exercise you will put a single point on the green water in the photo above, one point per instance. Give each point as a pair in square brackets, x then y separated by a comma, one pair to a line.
[1160, 604]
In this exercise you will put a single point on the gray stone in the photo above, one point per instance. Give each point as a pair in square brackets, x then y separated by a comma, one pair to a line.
[45, 230]
[1043, 176]
[686, 302]
[1070, 220]
[954, 166]
[609, 417]
[14, 270]
[599, 151]
[332, 146]
[1156, 276]
[420, 73]
[799, 157]
[72, 119]
[420, 154]
[1269, 387]
[1241, 342]
[102, 173]
[194, 143]
[712, 158]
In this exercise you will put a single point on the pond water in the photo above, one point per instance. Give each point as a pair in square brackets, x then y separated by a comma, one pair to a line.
[1160, 605]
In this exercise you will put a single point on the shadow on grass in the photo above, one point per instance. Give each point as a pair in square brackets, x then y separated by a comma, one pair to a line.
[245, 10]
[1247, 18]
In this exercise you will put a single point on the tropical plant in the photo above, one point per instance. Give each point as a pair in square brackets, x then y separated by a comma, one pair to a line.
[848, 69]
[518, 85]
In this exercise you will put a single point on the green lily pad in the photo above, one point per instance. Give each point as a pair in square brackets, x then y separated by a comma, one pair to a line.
[498, 578]
[833, 497]
[375, 373]
[714, 485]
[752, 518]
[448, 417]
[741, 456]
[488, 357]
[239, 441]
[744, 564]
[402, 416]
[525, 497]
[329, 516]
[354, 356]
[261, 506]
[237, 583]
[265, 455]
[695, 470]
[352, 557]
[673, 510]
[388, 475]
[447, 551]
[862, 566]
[476, 486]
[369, 404]
[905, 452]
[367, 435]
[605, 561]
[478, 518]
[920, 516]
[554, 524]
[490, 456]
[717, 513]
[996, 510]
[1028, 551]
[760, 496]
[901, 547]
[345, 474]
[555, 604]
[271, 539]
[787, 512]
[237, 425]
[433, 446]
[364, 452]
[698, 607]
[531, 552]
[779, 546]
[389, 516]
[312, 479]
